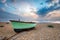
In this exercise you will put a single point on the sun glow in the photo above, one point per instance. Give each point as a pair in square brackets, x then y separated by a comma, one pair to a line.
[28, 11]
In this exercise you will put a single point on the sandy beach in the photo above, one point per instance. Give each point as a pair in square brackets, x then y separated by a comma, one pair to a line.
[41, 32]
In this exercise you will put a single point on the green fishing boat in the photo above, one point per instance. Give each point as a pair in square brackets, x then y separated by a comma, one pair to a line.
[19, 26]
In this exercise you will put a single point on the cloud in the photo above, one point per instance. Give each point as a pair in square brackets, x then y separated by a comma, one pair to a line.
[50, 17]
[53, 5]
[52, 14]
[25, 10]
[29, 12]
[55, 22]
[3, 1]
[52, 1]
[33, 15]
[49, 1]
[5, 16]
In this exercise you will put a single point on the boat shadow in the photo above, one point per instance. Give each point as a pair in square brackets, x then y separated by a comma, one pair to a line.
[22, 30]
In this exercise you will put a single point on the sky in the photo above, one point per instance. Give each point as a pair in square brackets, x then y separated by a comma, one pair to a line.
[30, 10]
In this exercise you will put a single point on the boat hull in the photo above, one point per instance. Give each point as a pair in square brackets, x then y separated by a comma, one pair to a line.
[22, 26]
[22, 30]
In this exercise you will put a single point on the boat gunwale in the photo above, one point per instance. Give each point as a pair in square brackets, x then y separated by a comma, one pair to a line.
[22, 21]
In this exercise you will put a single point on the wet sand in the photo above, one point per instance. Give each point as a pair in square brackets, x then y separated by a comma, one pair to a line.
[41, 32]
